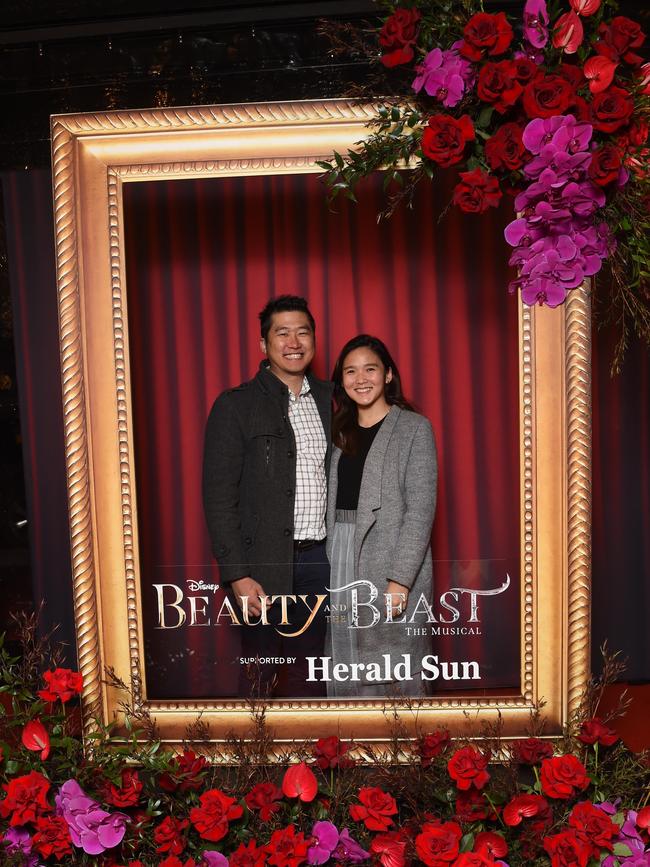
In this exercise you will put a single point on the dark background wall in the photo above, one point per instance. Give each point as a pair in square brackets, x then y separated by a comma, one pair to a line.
[63, 56]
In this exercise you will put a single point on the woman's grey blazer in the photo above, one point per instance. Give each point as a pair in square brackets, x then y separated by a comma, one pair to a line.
[397, 503]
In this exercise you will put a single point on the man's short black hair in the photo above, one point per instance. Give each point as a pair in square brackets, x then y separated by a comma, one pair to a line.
[283, 304]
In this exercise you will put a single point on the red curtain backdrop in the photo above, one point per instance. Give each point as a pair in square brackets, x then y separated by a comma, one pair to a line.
[203, 257]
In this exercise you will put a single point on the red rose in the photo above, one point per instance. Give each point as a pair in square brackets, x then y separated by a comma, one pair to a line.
[330, 753]
[523, 807]
[433, 745]
[52, 837]
[618, 38]
[573, 74]
[491, 844]
[611, 109]
[286, 848]
[568, 33]
[531, 751]
[606, 170]
[473, 859]
[62, 683]
[563, 776]
[248, 856]
[437, 844]
[126, 795]
[186, 773]
[169, 835]
[467, 766]
[173, 861]
[505, 150]
[566, 850]
[472, 806]
[486, 34]
[594, 827]
[474, 194]
[398, 35]
[547, 95]
[266, 798]
[390, 849]
[444, 138]
[498, 85]
[525, 69]
[212, 817]
[375, 809]
[637, 132]
[26, 798]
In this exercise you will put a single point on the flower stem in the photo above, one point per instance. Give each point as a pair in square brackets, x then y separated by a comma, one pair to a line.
[489, 800]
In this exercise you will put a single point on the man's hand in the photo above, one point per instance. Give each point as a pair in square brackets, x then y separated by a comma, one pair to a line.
[399, 596]
[246, 587]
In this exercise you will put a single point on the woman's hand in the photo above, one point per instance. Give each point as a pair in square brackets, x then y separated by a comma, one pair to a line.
[399, 596]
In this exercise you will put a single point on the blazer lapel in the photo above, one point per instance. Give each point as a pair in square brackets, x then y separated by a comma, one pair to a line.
[370, 493]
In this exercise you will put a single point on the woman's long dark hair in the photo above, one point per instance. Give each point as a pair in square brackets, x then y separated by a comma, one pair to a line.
[344, 422]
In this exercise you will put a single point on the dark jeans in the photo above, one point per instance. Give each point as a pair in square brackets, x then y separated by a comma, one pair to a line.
[288, 679]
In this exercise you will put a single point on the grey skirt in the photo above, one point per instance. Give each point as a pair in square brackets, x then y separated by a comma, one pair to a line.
[342, 643]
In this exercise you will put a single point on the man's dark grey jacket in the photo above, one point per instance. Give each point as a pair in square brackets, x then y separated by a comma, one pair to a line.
[249, 479]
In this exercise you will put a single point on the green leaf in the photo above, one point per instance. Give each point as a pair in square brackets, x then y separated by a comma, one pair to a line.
[339, 159]
[395, 114]
[467, 843]
[622, 850]
[485, 116]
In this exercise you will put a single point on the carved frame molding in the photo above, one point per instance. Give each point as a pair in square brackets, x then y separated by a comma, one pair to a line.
[93, 156]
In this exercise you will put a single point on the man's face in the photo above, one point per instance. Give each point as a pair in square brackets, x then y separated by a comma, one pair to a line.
[289, 345]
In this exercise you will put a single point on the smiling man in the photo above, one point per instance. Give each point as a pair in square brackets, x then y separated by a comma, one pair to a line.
[267, 448]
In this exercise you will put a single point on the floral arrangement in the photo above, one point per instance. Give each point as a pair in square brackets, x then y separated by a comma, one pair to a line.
[550, 108]
[126, 800]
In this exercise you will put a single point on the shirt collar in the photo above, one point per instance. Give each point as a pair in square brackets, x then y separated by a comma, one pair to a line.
[305, 388]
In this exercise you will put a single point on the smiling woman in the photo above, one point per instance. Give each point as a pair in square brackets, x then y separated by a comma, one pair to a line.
[382, 499]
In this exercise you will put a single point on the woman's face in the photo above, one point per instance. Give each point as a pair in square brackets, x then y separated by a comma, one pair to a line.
[365, 377]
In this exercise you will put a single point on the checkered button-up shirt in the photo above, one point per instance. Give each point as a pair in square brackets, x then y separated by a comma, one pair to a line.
[311, 447]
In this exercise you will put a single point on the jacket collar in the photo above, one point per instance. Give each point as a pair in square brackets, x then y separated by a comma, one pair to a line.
[269, 382]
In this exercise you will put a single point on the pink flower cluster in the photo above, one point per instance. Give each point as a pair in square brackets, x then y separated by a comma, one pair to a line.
[558, 240]
[444, 75]
[91, 828]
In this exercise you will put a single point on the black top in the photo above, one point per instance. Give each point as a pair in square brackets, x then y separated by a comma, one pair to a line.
[350, 469]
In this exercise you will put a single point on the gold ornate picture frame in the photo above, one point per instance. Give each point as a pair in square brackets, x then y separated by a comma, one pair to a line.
[94, 155]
